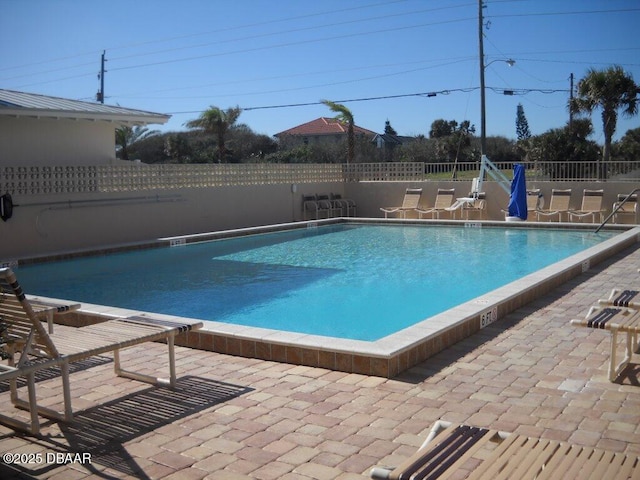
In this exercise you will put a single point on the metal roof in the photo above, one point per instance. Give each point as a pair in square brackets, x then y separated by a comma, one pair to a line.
[21, 104]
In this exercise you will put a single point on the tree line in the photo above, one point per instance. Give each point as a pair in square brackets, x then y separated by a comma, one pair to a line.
[217, 137]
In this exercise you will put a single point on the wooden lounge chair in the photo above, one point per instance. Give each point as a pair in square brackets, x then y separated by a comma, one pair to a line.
[30, 348]
[615, 320]
[591, 206]
[449, 447]
[443, 202]
[409, 203]
[558, 205]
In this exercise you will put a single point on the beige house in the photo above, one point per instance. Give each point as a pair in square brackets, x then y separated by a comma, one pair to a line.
[321, 130]
[42, 130]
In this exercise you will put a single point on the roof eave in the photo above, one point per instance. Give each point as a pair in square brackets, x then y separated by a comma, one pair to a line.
[137, 118]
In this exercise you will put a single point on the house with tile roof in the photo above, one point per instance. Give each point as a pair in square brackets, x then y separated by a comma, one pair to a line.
[321, 130]
[42, 130]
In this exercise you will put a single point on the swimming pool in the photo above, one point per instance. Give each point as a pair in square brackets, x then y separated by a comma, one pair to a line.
[360, 282]
[386, 356]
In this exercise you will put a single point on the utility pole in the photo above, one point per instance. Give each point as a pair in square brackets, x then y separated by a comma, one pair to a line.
[570, 102]
[483, 120]
[100, 94]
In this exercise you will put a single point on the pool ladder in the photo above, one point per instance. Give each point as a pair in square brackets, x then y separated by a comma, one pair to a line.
[617, 208]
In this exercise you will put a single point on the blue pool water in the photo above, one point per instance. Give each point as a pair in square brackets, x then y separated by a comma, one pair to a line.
[350, 281]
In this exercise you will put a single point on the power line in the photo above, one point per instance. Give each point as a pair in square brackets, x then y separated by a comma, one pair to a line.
[288, 44]
[291, 30]
[580, 12]
[367, 99]
[258, 24]
[429, 94]
[302, 42]
[169, 39]
[289, 89]
[281, 45]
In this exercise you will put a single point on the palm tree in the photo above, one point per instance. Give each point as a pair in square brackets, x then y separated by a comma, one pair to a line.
[611, 89]
[217, 122]
[345, 117]
[127, 136]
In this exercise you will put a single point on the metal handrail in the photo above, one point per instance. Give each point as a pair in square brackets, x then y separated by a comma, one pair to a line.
[615, 210]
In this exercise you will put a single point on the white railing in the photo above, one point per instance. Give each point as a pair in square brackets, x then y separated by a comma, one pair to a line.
[35, 180]
[543, 171]
[384, 172]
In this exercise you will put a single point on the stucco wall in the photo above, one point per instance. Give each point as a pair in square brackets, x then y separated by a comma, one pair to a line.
[44, 225]
[370, 196]
[44, 141]
[50, 224]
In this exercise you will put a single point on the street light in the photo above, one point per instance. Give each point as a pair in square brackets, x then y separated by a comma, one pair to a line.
[483, 119]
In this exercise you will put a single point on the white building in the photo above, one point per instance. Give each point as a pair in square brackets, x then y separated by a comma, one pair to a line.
[42, 130]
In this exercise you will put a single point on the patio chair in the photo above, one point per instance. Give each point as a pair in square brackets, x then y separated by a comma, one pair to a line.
[558, 204]
[347, 205]
[443, 202]
[30, 349]
[409, 203]
[332, 208]
[534, 200]
[478, 205]
[314, 208]
[448, 447]
[615, 320]
[591, 206]
[628, 211]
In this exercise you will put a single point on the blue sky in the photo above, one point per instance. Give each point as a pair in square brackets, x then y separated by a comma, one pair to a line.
[378, 57]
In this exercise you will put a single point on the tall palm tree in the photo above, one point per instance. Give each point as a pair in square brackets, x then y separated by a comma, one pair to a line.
[217, 122]
[344, 116]
[611, 90]
[127, 136]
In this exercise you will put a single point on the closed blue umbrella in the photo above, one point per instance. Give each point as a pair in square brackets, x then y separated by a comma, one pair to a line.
[518, 200]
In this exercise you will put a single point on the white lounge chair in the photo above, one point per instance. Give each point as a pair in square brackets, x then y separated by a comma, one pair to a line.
[443, 202]
[591, 206]
[628, 211]
[558, 205]
[615, 320]
[409, 203]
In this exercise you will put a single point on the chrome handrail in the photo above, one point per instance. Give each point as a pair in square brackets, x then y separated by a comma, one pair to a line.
[615, 210]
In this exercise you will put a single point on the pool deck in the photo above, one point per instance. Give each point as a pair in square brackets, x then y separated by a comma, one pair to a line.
[241, 418]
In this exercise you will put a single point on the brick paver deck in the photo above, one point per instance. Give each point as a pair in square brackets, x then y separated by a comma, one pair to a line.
[236, 418]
